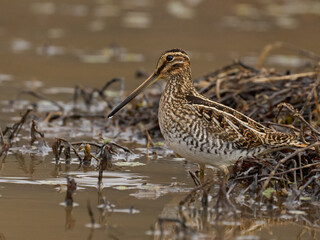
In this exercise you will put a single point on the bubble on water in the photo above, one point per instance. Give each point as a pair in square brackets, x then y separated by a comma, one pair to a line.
[287, 22]
[286, 60]
[5, 77]
[107, 10]
[247, 10]
[45, 8]
[40, 150]
[180, 159]
[247, 237]
[93, 225]
[50, 50]
[129, 164]
[137, 20]
[126, 210]
[64, 204]
[20, 45]
[46, 106]
[58, 90]
[33, 84]
[95, 58]
[97, 25]
[76, 10]
[180, 10]
[55, 33]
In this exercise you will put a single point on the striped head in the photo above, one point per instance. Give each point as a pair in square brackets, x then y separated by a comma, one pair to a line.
[172, 63]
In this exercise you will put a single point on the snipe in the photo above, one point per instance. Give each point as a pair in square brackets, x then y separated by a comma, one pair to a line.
[200, 129]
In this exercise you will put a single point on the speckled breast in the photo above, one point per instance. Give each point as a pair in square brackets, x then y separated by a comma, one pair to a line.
[188, 135]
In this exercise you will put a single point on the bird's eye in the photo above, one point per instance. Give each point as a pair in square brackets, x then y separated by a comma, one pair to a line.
[169, 58]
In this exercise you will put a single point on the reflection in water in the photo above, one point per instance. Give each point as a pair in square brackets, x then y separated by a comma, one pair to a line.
[70, 221]
[2, 161]
[211, 215]
[92, 224]
[28, 165]
[103, 206]
[119, 180]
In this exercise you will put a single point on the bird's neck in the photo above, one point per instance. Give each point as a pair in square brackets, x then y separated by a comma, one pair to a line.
[179, 85]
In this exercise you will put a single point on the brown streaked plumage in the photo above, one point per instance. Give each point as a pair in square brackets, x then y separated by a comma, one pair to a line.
[200, 129]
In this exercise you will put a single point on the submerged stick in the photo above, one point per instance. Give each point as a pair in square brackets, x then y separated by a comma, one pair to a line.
[90, 212]
[41, 97]
[71, 187]
[17, 126]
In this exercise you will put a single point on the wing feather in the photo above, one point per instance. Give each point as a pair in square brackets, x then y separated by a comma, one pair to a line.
[231, 125]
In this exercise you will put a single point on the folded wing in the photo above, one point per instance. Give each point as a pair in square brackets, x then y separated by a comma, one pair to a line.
[230, 125]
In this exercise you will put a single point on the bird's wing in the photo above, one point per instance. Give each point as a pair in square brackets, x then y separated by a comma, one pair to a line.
[231, 125]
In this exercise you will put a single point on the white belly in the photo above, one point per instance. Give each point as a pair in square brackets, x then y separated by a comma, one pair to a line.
[215, 156]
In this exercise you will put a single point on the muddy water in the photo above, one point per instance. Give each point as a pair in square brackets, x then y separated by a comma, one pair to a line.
[31, 200]
[46, 44]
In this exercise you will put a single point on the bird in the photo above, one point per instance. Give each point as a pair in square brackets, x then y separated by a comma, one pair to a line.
[199, 129]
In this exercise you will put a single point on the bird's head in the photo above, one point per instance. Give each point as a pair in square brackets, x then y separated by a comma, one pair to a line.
[171, 63]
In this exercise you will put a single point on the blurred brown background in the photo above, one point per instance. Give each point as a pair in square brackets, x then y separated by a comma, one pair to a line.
[63, 43]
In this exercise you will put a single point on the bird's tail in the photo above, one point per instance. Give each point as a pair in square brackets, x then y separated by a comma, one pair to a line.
[299, 144]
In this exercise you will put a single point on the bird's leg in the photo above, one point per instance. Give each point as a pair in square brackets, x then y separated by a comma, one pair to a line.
[201, 174]
[226, 172]
[227, 177]
[195, 178]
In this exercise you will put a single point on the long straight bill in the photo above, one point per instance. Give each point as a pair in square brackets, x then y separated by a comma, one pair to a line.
[135, 93]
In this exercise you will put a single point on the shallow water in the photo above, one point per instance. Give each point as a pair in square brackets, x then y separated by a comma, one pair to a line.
[31, 198]
[52, 46]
